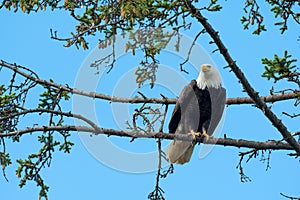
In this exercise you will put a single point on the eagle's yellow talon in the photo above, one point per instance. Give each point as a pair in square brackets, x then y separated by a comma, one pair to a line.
[205, 135]
[194, 134]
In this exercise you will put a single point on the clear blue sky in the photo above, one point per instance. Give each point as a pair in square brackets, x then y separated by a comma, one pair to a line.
[25, 39]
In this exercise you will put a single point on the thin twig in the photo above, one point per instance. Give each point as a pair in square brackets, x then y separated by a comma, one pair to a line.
[291, 116]
[289, 197]
[190, 50]
[56, 112]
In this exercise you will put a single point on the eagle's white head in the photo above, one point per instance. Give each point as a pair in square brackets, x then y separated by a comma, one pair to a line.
[209, 77]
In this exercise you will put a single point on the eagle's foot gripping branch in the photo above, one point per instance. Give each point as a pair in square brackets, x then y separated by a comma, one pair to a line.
[205, 135]
[194, 134]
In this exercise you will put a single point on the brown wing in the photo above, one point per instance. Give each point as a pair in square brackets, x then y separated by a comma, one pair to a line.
[182, 100]
[185, 117]
[218, 101]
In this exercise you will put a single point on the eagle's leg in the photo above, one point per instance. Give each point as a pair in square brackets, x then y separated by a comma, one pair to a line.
[205, 127]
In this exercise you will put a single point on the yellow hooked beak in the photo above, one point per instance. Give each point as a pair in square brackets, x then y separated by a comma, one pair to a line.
[205, 68]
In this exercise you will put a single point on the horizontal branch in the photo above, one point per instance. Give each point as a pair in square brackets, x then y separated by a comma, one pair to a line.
[272, 145]
[268, 99]
[229, 101]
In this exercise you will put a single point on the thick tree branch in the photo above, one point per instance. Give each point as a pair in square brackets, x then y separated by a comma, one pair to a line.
[229, 101]
[272, 145]
[243, 80]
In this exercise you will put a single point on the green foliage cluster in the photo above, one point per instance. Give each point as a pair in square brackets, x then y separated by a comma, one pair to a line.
[8, 104]
[4, 160]
[6, 125]
[281, 68]
[29, 169]
[51, 97]
[28, 6]
[145, 72]
[151, 42]
[214, 6]
[283, 9]
[12, 109]
[31, 172]
[12, 97]
[254, 17]
[109, 17]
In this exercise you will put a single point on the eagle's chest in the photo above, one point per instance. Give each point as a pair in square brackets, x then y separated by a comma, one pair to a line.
[204, 102]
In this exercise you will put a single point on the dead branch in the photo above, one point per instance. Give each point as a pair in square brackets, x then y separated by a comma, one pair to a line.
[250, 154]
[158, 191]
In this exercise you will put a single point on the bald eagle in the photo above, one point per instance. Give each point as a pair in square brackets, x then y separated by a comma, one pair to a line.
[198, 111]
